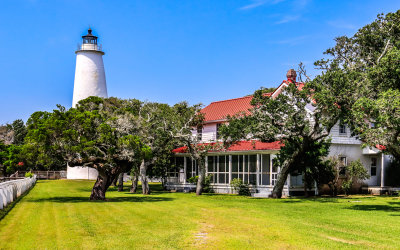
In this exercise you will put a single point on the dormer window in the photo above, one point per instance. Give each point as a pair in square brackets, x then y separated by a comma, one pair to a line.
[217, 135]
[342, 129]
[199, 133]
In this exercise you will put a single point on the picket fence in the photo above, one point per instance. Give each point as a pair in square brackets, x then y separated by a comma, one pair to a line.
[11, 190]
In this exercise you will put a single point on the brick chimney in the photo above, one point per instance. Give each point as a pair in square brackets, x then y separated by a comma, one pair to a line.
[291, 75]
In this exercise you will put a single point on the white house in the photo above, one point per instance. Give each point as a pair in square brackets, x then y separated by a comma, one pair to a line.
[252, 161]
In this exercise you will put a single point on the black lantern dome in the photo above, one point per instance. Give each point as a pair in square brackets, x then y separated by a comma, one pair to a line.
[89, 38]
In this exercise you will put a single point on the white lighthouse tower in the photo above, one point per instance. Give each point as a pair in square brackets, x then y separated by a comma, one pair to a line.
[90, 78]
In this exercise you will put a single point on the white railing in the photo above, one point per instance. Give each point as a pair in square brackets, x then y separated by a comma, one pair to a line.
[90, 46]
[11, 190]
[208, 137]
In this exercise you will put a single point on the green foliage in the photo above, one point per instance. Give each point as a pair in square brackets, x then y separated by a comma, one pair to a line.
[355, 172]
[362, 76]
[13, 158]
[238, 185]
[294, 119]
[206, 183]
[19, 131]
[193, 179]
[28, 174]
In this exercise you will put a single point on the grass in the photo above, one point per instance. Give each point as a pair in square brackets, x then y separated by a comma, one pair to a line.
[58, 214]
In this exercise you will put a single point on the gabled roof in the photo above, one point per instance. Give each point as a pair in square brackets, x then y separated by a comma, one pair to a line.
[243, 146]
[218, 111]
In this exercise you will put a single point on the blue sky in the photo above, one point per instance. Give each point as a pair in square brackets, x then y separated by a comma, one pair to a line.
[165, 50]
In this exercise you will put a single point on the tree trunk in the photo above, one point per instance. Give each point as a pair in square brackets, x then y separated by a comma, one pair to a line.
[202, 175]
[164, 182]
[143, 178]
[135, 180]
[121, 182]
[99, 188]
[305, 184]
[114, 182]
[280, 183]
[282, 176]
[305, 191]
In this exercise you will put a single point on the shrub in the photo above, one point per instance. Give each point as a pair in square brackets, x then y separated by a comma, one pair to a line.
[238, 185]
[28, 174]
[355, 172]
[206, 184]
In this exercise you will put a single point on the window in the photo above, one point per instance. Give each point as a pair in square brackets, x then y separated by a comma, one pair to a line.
[218, 166]
[265, 170]
[217, 135]
[343, 164]
[244, 167]
[191, 168]
[199, 133]
[342, 129]
[373, 166]
[274, 172]
[173, 173]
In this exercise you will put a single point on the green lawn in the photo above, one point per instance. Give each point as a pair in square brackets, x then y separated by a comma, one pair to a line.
[58, 214]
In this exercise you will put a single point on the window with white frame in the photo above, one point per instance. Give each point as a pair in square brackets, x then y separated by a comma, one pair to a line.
[173, 173]
[199, 133]
[373, 166]
[218, 166]
[217, 134]
[274, 171]
[265, 170]
[191, 168]
[342, 129]
[244, 167]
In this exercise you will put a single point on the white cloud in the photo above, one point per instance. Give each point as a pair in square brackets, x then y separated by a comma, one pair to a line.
[258, 3]
[286, 19]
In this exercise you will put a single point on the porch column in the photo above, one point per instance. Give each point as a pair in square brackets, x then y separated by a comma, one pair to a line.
[382, 170]
[271, 157]
[230, 169]
[258, 170]
[206, 165]
[184, 169]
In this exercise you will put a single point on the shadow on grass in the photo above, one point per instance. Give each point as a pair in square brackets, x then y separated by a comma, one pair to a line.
[386, 208]
[112, 199]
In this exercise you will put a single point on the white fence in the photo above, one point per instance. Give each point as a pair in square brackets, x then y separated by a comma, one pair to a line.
[11, 190]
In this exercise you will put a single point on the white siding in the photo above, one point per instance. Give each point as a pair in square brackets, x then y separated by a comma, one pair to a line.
[338, 138]
[353, 153]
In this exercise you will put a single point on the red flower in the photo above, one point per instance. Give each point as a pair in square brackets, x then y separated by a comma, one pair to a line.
[20, 164]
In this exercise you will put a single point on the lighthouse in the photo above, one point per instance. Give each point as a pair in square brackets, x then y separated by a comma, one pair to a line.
[90, 78]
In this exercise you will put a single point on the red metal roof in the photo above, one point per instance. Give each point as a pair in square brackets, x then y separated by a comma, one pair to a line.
[221, 109]
[244, 146]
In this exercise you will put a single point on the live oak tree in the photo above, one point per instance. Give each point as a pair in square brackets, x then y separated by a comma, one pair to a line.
[362, 74]
[98, 133]
[38, 151]
[186, 119]
[296, 117]
[156, 122]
